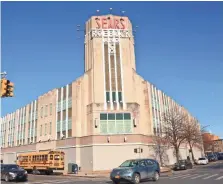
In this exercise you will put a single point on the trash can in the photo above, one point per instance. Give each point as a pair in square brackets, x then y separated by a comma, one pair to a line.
[72, 168]
[75, 168]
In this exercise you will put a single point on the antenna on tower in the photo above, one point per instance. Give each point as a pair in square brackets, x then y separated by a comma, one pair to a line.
[123, 12]
[135, 30]
[97, 14]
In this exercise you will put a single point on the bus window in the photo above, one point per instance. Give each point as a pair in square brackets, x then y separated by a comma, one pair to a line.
[51, 157]
[37, 158]
[45, 157]
[62, 157]
[56, 157]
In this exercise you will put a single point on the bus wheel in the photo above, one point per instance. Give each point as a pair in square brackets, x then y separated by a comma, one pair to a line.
[47, 172]
[34, 170]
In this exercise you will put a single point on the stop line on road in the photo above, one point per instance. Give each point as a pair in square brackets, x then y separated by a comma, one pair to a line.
[210, 176]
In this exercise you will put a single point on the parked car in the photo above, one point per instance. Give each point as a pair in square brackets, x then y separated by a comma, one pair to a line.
[212, 158]
[220, 156]
[183, 165]
[11, 172]
[136, 170]
[202, 161]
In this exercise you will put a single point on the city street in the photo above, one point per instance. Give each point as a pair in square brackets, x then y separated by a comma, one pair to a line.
[211, 173]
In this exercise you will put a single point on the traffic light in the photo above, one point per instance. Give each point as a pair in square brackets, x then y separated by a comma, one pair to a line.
[7, 88]
[3, 87]
[10, 89]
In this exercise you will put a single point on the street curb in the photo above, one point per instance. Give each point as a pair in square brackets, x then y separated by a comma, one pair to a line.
[162, 174]
[86, 176]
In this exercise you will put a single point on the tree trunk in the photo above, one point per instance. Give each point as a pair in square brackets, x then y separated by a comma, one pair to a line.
[192, 153]
[177, 153]
[160, 154]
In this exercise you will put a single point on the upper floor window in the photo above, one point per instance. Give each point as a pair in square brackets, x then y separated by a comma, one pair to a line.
[107, 96]
[45, 128]
[51, 108]
[46, 110]
[120, 96]
[50, 129]
[41, 113]
[41, 129]
[114, 96]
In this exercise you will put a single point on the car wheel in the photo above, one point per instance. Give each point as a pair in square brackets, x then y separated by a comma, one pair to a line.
[116, 182]
[156, 176]
[7, 178]
[136, 178]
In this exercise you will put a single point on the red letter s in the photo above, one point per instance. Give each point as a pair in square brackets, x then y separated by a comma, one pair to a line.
[122, 23]
[98, 23]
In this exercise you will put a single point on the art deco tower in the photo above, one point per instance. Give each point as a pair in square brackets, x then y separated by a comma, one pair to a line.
[109, 50]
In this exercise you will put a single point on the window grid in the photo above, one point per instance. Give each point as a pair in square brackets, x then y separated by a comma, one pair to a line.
[115, 123]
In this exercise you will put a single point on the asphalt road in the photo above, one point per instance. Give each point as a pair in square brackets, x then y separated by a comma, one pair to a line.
[211, 173]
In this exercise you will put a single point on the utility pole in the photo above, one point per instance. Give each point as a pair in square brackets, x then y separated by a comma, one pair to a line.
[7, 87]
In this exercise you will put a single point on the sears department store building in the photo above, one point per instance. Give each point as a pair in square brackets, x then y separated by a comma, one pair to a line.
[101, 117]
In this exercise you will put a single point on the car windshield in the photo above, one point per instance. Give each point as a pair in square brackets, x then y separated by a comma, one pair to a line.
[129, 163]
[13, 167]
[201, 158]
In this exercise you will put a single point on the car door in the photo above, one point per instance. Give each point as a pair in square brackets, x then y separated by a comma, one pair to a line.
[143, 169]
[150, 168]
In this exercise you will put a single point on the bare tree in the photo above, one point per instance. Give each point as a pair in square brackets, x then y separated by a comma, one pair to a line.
[192, 133]
[173, 121]
[160, 147]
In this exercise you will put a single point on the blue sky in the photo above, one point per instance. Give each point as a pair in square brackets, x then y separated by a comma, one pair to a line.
[178, 48]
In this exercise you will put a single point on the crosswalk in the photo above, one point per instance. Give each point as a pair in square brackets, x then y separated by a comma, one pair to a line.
[59, 181]
[202, 176]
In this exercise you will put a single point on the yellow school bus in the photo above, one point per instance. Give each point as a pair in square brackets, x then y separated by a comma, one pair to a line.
[46, 161]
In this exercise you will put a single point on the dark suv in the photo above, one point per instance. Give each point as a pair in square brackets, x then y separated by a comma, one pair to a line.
[11, 172]
[183, 165]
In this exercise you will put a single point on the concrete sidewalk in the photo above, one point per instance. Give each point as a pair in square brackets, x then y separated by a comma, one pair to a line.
[165, 171]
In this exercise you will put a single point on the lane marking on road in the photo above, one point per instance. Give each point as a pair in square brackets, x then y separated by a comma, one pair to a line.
[221, 177]
[192, 175]
[210, 176]
[62, 181]
[179, 176]
[45, 181]
[199, 176]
